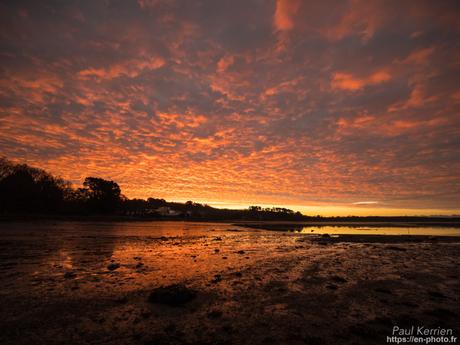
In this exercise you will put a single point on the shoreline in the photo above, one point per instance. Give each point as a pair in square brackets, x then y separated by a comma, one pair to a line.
[273, 225]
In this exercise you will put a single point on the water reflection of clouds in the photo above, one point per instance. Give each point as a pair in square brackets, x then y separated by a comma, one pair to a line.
[381, 230]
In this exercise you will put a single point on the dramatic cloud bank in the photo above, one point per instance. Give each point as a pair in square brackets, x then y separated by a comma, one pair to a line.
[282, 102]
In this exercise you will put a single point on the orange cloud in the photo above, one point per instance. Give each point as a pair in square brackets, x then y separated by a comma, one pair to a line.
[249, 103]
[361, 17]
[131, 68]
[346, 81]
[225, 62]
[419, 56]
[284, 14]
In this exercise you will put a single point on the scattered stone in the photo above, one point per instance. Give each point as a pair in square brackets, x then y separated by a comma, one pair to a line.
[170, 328]
[69, 275]
[228, 329]
[139, 265]
[158, 339]
[217, 238]
[383, 290]
[121, 299]
[172, 295]
[113, 266]
[436, 294]
[339, 280]
[214, 314]
[137, 258]
[145, 314]
[217, 279]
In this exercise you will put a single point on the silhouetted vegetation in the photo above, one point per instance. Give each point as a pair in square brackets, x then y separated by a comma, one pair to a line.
[26, 190]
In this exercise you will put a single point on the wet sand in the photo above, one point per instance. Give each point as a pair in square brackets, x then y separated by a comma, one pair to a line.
[252, 286]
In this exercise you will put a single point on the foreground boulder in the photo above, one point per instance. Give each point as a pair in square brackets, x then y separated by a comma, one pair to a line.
[113, 266]
[173, 295]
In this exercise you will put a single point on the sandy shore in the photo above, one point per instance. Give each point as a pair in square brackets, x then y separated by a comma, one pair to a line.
[250, 286]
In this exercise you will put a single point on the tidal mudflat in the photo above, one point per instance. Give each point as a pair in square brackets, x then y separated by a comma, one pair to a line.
[216, 283]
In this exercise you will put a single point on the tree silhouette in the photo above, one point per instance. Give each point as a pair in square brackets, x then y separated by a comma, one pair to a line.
[27, 189]
[102, 195]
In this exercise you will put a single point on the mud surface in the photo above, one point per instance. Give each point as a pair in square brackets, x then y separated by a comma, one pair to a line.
[84, 283]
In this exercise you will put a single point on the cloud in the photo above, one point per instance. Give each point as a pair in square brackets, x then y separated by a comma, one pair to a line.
[346, 81]
[284, 102]
[131, 68]
[285, 11]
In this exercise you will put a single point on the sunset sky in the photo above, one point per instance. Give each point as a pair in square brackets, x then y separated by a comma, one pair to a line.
[327, 107]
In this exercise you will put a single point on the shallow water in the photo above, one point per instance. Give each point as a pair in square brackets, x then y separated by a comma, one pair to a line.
[253, 286]
[380, 230]
[39, 255]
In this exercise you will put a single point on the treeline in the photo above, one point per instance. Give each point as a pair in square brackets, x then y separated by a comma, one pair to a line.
[25, 190]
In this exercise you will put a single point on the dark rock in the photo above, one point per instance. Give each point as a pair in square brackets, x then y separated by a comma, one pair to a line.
[436, 294]
[173, 295]
[383, 290]
[217, 279]
[228, 329]
[121, 299]
[217, 238]
[339, 280]
[113, 266]
[170, 328]
[238, 274]
[240, 252]
[69, 275]
[216, 250]
[312, 340]
[224, 257]
[139, 265]
[326, 236]
[214, 314]
[145, 314]
[159, 339]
